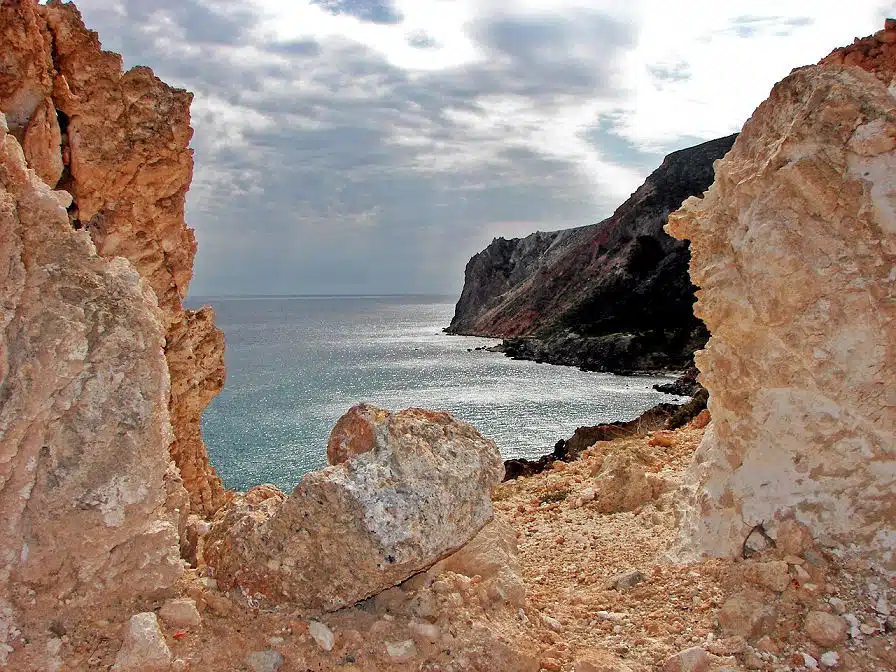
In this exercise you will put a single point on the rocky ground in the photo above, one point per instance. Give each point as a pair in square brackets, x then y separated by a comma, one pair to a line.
[589, 543]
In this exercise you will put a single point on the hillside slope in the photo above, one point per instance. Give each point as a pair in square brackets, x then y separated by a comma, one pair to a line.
[609, 296]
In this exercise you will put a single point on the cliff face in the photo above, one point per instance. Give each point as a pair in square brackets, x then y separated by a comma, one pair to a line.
[118, 143]
[794, 248]
[91, 510]
[608, 296]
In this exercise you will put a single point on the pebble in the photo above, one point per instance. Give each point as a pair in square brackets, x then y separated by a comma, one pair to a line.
[853, 623]
[830, 659]
[322, 635]
[209, 582]
[625, 580]
[809, 662]
[552, 623]
[427, 631]
[268, 660]
[401, 652]
[837, 605]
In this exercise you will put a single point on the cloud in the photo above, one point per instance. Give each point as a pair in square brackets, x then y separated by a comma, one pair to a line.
[373, 146]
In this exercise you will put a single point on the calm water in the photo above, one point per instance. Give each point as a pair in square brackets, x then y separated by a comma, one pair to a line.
[294, 365]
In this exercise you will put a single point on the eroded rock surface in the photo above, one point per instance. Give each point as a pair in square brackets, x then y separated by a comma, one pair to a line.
[87, 499]
[794, 248]
[421, 491]
[118, 143]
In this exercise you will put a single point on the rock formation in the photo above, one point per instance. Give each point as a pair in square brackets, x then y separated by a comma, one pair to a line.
[90, 508]
[411, 488]
[612, 296]
[793, 249]
[118, 143]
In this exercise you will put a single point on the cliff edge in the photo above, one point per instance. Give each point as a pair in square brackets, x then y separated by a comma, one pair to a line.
[612, 296]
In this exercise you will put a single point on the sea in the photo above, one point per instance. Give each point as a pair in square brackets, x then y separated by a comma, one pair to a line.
[296, 364]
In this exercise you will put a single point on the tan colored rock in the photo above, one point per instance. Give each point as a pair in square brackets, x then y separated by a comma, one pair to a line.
[695, 659]
[359, 527]
[774, 575]
[180, 613]
[596, 660]
[144, 648]
[747, 614]
[623, 484]
[87, 506]
[130, 166]
[793, 249]
[492, 556]
[352, 434]
[43, 144]
[825, 629]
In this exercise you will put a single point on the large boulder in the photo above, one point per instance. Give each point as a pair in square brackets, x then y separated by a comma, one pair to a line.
[88, 501]
[793, 249]
[420, 490]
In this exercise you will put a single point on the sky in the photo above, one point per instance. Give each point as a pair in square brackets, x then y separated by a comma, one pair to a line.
[373, 146]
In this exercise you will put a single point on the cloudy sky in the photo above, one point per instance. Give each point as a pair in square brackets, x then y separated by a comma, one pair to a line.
[372, 146]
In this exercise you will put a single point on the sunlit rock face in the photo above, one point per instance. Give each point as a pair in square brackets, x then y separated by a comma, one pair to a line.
[794, 250]
[118, 143]
[408, 489]
[90, 508]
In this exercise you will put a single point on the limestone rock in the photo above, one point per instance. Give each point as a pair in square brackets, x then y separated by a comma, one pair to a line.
[84, 421]
[359, 527]
[793, 248]
[125, 143]
[596, 660]
[144, 648]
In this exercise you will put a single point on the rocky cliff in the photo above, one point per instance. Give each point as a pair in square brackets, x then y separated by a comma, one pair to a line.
[610, 296]
[794, 250]
[118, 144]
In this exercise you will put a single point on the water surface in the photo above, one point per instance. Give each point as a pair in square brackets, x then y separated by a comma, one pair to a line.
[295, 364]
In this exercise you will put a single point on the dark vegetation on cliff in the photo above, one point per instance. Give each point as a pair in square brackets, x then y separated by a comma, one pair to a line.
[612, 296]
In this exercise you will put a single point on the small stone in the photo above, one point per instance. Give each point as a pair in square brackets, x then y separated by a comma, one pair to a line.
[209, 583]
[268, 660]
[402, 652]
[552, 623]
[866, 629]
[144, 648]
[809, 662]
[180, 613]
[830, 659]
[322, 635]
[598, 660]
[837, 605]
[695, 659]
[625, 580]
[587, 495]
[768, 645]
[853, 623]
[882, 607]
[747, 614]
[825, 629]
[427, 631]
[757, 542]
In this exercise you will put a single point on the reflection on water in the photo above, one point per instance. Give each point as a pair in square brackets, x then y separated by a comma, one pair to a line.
[294, 365]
